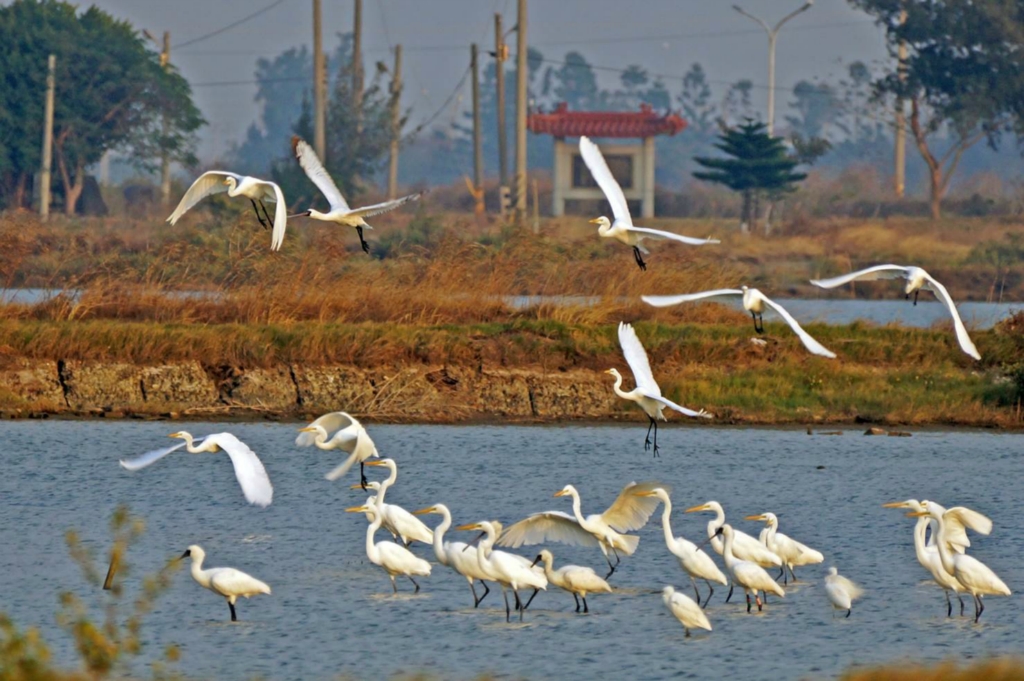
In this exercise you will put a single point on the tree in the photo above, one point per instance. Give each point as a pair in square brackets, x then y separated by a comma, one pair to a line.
[963, 75]
[817, 107]
[112, 93]
[756, 165]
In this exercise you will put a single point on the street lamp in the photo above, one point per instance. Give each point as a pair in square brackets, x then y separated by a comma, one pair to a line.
[773, 33]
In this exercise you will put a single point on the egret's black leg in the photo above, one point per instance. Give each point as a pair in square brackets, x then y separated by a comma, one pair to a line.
[915, 296]
[476, 601]
[754, 317]
[394, 587]
[532, 596]
[508, 613]
[695, 592]
[521, 610]
[961, 604]
[782, 573]
[362, 475]
[585, 608]
[647, 440]
[257, 211]
[758, 603]
[266, 215]
[792, 573]
[655, 437]
[949, 606]
[981, 609]
[848, 613]
[362, 241]
[760, 318]
[576, 598]
[639, 259]
[711, 592]
[487, 590]
[234, 617]
[748, 602]
[612, 567]
[519, 603]
[414, 584]
[729, 595]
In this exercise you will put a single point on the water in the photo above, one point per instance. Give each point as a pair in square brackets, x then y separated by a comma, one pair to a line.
[332, 612]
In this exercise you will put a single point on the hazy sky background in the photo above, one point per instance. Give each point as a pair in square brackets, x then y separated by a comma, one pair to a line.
[663, 36]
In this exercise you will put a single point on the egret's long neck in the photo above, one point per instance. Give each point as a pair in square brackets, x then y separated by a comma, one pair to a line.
[197, 571]
[713, 525]
[321, 438]
[618, 388]
[317, 215]
[549, 567]
[372, 552]
[391, 478]
[935, 530]
[727, 554]
[772, 528]
[483, 551]
[383, 489]
[940, 543]
[666, 524]
[232, 187]
[919, 544]
[576, 505]
[188, 444]
[446, 522]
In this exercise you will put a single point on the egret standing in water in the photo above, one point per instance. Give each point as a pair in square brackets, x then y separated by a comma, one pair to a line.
[456, 554]
[750, 576]
[841, 591]
[507, 569]
[249, 470]
[647, 393]
[339, 430]
[792, 552]
[228, 582]
[253, 188]
[685, 609]
[394, 559]
[577, 580]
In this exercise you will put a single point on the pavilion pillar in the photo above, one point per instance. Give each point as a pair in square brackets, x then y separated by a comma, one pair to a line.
[560, 176]
[647, 158]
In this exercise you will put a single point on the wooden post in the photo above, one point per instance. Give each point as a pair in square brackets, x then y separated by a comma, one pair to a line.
[478, 152]
[45, 171]
[319, 85]
[536, 208]
[396, 123]
[900, 152]
[500, 55]
[357, 64]
[522, 73]
[165, 159]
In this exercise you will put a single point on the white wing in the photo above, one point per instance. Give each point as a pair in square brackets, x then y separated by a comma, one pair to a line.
[630, 512]
[387, 206]
[681, 409]
[544, 527]
[966, 344]
[333, 422]
[150, 457]
[210, 182]
[248, 469]
[665, 301]
[658, 234]
[869, 274]
[316, 172]
[336, 473]
[280, 216]
[851, 588]
[636, 357]
[806, 338]
[605, 180]
[957, 520]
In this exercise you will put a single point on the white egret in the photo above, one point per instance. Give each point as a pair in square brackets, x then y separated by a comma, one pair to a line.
[576, 579]
[647, 394]
[841, 591]
[694, 560]
[745, 547]
[685, 609]
[252, 188]
[623, 229]
[457, 555]
[917, 279]
[750, 576]
[606, 530]
[506, 569]
[394, 559]
[249, 470]
[396, 519]
[792, 552]
[753, 302]
[228, 582]
[339, 430]
[976, 577]
[340, 213]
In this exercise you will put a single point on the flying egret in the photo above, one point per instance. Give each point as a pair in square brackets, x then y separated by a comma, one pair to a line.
[228, 582]
[750, 576]
[576, 579]
[977, 578]
[745, 547]
[841, 591]
[647, 394]
[753, 302]
[396, 519]
[629, 512]
[917, 279]
[692, 559]
[506, 569]
[685, 609]
[339, 430]
[623, 228]
[253, 188]
[340, 213]
[792, 552]
[456, 554]
[394, 559]
[248, 468]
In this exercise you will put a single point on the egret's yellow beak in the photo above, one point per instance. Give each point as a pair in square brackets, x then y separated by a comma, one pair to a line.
[470, 526]
[645, 494]
[357, 509]
[895, 504]
[694, 509]
[917, 514]
[307, 429]
[174, 435]
[594, 221]
[356, 486]
[377, 462]
[424, 511]
[607, 371]
[754, 517]
[561, 493]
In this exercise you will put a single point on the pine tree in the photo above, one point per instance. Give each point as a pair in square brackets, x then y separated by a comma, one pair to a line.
[756, 165]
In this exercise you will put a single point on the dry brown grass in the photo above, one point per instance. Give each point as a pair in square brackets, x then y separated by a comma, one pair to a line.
[997, 669]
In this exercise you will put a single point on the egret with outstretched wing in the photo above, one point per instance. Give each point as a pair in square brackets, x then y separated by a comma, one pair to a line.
[339, 430]
[623, 228]
[253, 188]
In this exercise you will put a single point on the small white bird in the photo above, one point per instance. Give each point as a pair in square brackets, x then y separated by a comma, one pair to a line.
[623, 228]
[456, 554]
[249, 470]
[228, 582]
[340, 213]
[394, 559]
[751, 576]
[792, 552]
[841, 591]
[629, 512]
[753, 302]
[253, 188]
[576, 579]
[647, 393]
[685, 609]
[917, 279]
[339, 430]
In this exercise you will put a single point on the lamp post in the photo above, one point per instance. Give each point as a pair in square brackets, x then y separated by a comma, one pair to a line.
[773, 34]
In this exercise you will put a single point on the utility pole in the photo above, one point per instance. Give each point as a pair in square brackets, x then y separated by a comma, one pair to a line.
[773, 34]
[44, 173]
[500, 55]
[396, 123]
[357, 64]
[478, 152]
[900, 152]
[319, 85]
[165, 159]
[521, 75]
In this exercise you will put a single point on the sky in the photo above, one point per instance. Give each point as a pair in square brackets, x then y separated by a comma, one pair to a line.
[663, 36]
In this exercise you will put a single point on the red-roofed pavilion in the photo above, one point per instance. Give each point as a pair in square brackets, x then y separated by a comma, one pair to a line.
[631, 164]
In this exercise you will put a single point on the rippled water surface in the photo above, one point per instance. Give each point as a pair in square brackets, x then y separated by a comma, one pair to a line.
[333, 613]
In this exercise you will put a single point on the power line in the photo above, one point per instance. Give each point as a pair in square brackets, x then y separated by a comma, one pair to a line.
[231, 25]
[441, 109]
